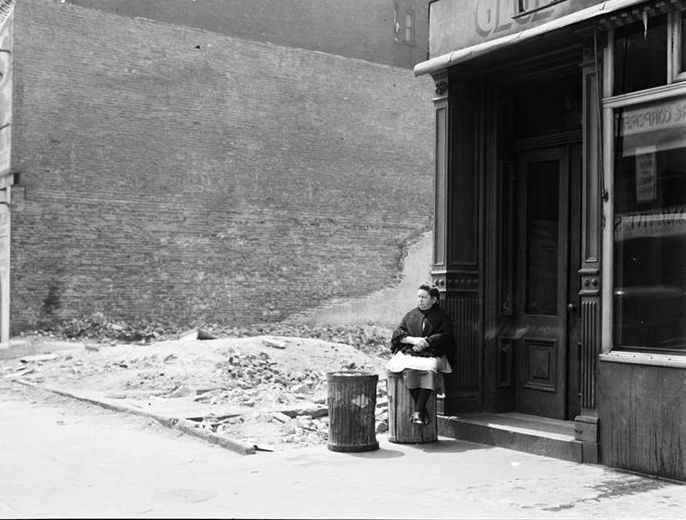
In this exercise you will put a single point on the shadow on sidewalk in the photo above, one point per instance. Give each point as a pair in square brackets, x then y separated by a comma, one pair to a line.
[381, 453]
[388, 449]
[447, 445]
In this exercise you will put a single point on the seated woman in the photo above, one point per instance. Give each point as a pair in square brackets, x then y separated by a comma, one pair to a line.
[422, 344]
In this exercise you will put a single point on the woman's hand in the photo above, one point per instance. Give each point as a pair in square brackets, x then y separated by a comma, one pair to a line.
[420, 344]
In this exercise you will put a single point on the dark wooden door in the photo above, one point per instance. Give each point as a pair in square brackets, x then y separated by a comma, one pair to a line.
[546, 244]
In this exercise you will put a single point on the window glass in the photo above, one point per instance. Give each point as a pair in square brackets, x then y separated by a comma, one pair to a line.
[683, 42]
[546, 106]
[649, 264]
[640, 55]
[542, 185]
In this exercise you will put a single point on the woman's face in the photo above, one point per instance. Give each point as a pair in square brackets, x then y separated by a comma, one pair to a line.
[424, 300]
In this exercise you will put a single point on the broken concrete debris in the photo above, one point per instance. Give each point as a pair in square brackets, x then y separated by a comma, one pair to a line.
[181, 391]
[197, 333]
[275, 343]
[38, 358]
[277, 386]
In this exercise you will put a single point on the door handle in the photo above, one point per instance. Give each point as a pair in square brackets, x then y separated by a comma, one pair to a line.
[571, 307]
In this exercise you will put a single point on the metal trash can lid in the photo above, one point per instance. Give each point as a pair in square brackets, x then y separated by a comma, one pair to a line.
[349, 373]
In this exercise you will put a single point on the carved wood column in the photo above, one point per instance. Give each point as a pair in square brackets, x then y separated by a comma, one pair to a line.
[456, 230]
[591, 240]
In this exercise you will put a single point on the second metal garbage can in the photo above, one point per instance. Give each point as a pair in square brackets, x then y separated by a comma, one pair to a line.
[352, 408]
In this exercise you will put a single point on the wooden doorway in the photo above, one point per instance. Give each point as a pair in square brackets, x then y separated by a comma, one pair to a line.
[546, 264]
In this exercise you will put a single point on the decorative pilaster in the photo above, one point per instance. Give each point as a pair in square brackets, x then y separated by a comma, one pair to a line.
[456, 249]
[586, 424]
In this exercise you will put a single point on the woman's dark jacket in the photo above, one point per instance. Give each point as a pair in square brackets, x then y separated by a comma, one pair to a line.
[433, 325]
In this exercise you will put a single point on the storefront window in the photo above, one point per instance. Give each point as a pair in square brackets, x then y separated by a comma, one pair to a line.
[640, 55]
[649, 289]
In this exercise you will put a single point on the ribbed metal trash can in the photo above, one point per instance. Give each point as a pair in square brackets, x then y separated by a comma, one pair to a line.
[352, 408]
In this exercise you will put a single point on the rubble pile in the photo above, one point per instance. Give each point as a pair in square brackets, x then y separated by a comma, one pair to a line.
[370, 339]
[292, 428]
[263, 390]
[99, 328]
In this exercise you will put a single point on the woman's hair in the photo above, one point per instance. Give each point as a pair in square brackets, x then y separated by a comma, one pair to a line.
[432, 290]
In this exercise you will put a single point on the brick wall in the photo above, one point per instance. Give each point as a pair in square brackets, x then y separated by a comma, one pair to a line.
[186, 177]
[353, 28]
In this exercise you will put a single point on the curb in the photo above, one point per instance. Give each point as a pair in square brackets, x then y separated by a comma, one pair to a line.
[174, 423]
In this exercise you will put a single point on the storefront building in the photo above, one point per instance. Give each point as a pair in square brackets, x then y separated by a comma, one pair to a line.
[560, 221]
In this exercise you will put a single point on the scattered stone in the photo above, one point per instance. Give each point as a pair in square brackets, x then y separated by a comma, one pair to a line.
[20, 373]
[200, 391]
[274, 343]
[181, 391]
[308, 412]
[38, 358]
[189, 335]
[203, 334]
[299, 389]
[194, 334]
[281, 417]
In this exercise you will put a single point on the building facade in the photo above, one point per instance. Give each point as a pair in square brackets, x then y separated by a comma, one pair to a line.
[410, 32]
[560, 219]
[6, 175]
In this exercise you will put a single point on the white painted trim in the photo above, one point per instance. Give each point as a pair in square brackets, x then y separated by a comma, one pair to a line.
[675, 72]
[645, 358]
[646, 96]
[607, 205]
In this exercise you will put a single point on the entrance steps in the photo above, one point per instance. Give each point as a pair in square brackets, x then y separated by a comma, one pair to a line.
[515, 431]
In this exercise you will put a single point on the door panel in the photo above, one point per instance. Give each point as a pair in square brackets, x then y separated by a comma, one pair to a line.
[542, 266]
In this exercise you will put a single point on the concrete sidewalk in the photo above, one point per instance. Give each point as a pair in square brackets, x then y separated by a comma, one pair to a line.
[62, 458]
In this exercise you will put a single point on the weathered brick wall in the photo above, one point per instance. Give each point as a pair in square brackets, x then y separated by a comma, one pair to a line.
[185, 177]
[353, 28]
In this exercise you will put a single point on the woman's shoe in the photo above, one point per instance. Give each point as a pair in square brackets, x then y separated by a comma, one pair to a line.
[416, 418]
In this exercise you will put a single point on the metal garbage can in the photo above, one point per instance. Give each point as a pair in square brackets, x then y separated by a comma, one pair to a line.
[352, 408]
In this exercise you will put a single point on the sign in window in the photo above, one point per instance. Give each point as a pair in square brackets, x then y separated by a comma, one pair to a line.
[649, 264]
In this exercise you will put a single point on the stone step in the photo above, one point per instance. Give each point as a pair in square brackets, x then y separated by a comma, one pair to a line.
[515, 431]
